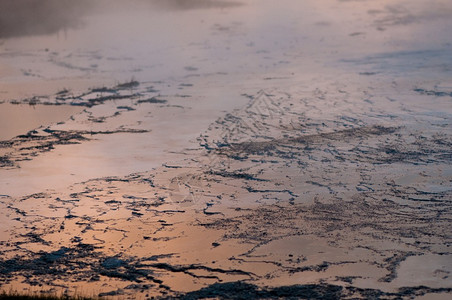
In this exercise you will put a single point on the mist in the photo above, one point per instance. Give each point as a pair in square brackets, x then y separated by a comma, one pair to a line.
[37, 17]
[32, 17]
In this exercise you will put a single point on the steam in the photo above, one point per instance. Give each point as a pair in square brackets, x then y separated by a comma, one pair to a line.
[37, 17]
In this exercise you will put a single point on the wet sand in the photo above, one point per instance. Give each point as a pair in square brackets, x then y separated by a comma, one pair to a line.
[249, 150]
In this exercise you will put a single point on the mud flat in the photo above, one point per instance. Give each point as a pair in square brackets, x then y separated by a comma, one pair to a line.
[313, 161]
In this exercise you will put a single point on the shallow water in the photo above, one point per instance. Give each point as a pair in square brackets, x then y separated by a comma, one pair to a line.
[16, 119]
[272, 142]
[226, 51]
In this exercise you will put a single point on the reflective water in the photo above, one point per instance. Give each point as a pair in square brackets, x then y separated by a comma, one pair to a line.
[222, 50]
[16, 119]
[365, 62]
